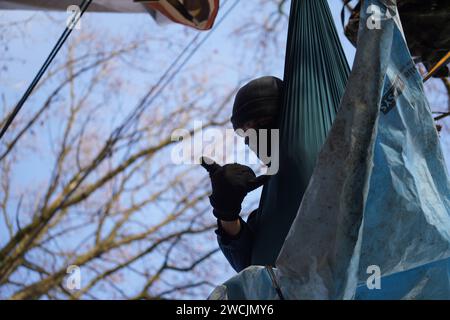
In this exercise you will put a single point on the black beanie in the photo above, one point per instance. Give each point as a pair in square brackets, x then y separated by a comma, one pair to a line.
[258, 99]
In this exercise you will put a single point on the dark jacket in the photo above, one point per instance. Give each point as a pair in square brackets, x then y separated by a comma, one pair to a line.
[262, 236]
[238, 249]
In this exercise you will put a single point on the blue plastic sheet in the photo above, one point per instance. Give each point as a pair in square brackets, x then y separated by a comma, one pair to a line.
[379, 196]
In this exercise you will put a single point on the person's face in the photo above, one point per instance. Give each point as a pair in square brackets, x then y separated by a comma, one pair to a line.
[263, 123]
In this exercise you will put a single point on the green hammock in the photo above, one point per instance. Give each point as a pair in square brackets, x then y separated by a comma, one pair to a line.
[316, 73]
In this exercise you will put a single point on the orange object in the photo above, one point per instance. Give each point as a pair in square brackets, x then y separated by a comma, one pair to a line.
[198, 14]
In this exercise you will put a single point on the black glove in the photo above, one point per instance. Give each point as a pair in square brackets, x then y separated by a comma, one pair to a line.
[230, 184]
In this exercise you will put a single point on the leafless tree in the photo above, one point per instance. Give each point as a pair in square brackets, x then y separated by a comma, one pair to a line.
[87, 180]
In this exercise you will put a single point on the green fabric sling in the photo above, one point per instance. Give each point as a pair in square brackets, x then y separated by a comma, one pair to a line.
[316, 72]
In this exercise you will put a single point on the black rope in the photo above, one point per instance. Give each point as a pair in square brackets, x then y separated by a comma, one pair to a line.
[83, 7]
[275, 283]
[344, 7]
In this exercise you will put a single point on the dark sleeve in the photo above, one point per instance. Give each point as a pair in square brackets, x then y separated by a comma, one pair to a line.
[238, 249]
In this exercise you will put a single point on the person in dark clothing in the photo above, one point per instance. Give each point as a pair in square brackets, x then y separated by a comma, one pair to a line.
[256, 106]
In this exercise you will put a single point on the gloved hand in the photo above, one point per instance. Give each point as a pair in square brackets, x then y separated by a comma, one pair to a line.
[230, 184]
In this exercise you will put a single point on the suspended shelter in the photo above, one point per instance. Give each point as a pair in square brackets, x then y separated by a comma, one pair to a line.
[374, 220]
[315, 78]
